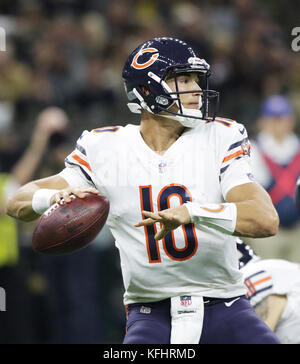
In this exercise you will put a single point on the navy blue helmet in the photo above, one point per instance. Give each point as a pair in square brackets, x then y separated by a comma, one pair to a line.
[245, 253]
[146, 70]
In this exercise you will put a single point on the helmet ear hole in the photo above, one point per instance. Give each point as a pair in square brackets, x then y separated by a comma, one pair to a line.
[145, 90]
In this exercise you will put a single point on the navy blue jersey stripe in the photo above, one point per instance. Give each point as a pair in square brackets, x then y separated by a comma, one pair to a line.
[80, 148]
[222, 170]
[82, 170]
[237, 144]
[255, 274]
[261, 290]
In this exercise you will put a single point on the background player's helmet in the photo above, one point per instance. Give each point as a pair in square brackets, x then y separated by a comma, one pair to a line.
[245, 253]
[146, 70]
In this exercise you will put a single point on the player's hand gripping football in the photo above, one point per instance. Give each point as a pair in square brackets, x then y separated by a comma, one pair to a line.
[170, 219]
[76, 191]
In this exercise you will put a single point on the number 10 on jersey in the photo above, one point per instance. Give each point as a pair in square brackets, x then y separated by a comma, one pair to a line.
[169, 244]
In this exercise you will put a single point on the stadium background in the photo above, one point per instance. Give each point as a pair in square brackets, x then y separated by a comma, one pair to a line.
[70, 53]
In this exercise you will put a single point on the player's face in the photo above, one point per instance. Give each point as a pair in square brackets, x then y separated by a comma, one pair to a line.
[187, 82]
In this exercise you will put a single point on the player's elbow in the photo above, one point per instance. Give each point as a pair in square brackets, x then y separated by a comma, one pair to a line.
[258, 224]
[19, 210]
[276, 223]
[268, 225]
[13, 208]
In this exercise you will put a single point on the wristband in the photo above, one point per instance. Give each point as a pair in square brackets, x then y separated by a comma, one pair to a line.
[221, 217]
[41, 200]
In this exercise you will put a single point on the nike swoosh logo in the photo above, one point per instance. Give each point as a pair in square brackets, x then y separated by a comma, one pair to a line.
[228, 304]
[242, 131]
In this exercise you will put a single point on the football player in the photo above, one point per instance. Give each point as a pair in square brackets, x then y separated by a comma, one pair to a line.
[179, 186]
[274, 291]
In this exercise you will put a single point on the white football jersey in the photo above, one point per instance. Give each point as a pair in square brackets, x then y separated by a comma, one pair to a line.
[203, 164]
[275, 276]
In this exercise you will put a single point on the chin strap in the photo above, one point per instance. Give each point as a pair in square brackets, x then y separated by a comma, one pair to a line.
[141, 100]
[190, 118]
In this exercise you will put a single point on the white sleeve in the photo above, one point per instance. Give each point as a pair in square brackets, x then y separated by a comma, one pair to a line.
[78, 171]
[74, 177]
[235, 160]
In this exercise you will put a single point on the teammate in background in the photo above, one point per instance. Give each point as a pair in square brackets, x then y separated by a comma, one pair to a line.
[276, 166]
[274, 291]
[179, 186]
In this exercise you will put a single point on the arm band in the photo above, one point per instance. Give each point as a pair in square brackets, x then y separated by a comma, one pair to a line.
[221, 217]
[41, 200]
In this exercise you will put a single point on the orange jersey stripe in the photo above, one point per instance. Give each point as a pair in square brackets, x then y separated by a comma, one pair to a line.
[262, 280]
[233, 155]
[81, 161]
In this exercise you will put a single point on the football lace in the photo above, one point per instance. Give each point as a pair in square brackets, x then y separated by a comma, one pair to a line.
[56, 205]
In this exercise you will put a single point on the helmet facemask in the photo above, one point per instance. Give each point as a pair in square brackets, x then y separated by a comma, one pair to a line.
[189, 116]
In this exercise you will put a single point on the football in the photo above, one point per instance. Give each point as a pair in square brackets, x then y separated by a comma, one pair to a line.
[68, 227]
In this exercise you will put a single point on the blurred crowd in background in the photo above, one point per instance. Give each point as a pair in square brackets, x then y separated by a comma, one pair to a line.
[60, 74]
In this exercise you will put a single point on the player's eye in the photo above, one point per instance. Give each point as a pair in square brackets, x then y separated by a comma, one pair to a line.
[184, 79]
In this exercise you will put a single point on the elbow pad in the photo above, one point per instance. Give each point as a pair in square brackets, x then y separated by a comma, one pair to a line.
[221, 217]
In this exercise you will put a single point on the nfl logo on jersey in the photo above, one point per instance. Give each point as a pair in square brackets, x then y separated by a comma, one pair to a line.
[185, 300]
[162, 167]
